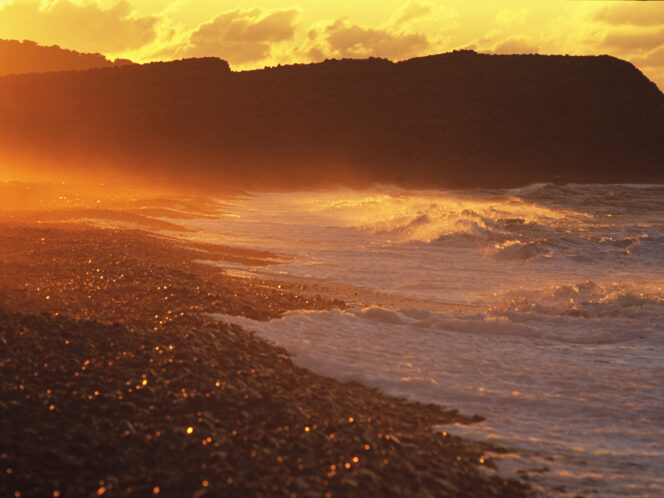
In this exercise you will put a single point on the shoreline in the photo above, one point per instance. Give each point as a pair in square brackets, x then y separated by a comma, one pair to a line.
[109, 361]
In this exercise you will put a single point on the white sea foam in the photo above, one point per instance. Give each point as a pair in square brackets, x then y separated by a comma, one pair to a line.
[541, 308]
[572, 396]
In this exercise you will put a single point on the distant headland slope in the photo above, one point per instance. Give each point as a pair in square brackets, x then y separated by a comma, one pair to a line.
[453, 120]
[18, 57]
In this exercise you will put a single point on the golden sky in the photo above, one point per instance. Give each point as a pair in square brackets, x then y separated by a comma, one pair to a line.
[255, 33]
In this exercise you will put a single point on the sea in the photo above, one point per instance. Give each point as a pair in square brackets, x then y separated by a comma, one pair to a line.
[540, 308]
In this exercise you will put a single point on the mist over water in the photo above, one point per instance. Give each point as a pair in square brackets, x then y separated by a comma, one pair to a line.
[541, 308]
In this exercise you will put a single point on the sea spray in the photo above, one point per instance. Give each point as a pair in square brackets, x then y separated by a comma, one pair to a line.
[539, 308]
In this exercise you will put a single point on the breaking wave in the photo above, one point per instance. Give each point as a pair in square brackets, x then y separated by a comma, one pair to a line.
[541, 307]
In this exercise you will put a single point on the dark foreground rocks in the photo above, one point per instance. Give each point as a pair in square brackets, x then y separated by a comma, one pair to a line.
[118, 386]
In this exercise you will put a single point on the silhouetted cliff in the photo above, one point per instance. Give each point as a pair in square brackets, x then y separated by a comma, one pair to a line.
[459, 119]
[28, 57]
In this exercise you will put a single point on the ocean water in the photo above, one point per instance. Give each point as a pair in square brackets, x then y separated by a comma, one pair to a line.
[541, 308]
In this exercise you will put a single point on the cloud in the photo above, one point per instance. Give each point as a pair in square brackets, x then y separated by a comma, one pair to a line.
[630, 39]
[86, 26]
[344, 39]
[243, 36]
[515, 45]
[633, 31]
[652, 58]
[435, 19]
[628, 29]
[507, 17]
[412, 11]
[499, 41]
[652, 64]
[637, 14]
[417, 28]
[507, 36]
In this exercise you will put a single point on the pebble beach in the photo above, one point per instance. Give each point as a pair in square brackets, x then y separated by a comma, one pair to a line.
[115, 382]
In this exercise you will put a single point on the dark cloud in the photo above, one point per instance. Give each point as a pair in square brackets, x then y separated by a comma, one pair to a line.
[87, 26]
[243, 36]
[343, 39]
